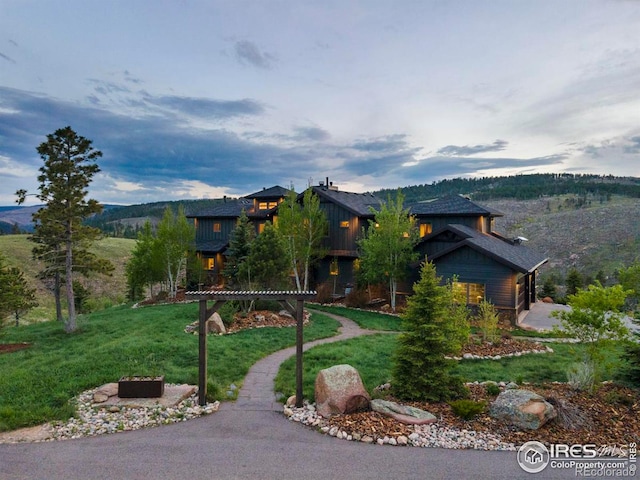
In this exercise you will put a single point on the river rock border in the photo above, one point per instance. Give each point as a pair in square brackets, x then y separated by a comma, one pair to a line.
[432, 435]
[91, 420]
[471, 356]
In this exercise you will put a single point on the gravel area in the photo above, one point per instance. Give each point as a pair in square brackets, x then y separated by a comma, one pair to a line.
[91, 420]
[434, 435]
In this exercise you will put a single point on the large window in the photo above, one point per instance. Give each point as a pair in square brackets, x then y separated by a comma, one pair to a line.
[216, 227]
[209, 263]
[267, 205]
[425, 229]
[473, 292]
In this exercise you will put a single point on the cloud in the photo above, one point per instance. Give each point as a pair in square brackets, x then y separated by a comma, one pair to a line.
[314, 134]
[635, 145]
[453, 150]
[248, 52]
[208, 108]
[7, 58]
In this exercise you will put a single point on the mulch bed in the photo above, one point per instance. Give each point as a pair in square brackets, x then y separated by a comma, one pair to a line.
[13, 347]
[505, 346]
[610, 416]
[261, 319]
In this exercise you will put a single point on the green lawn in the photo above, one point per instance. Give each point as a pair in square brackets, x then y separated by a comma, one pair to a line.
[365, 319]
[371, 356]
[37, 383]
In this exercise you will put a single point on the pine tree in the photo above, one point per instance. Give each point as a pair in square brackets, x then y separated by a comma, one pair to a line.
[238, 253]
[420, 370]
[64, 178]
[573, 282]
[16, 297]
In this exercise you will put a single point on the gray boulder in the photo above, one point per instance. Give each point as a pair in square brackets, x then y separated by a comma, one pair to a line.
[339, 389]
[522, 408]
[215, 325]
[402, 413]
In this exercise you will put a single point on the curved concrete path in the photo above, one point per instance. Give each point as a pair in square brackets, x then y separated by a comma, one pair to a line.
[249, 439]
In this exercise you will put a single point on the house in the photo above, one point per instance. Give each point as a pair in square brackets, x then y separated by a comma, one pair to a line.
[455, 233]
[458, 236]
[214, 226]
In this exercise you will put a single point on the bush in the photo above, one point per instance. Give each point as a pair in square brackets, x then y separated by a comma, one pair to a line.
[631, 370]
[324, 293]
[228, 311]
[581, 376]
[357, 298]
[467, 409]
[270, 305]
[492, 389]
[488, 320]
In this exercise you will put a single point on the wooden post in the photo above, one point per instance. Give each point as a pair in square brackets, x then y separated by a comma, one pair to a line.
[299, 343]
[202, 353]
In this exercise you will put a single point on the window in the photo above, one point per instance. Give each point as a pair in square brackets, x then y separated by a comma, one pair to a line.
[473, 292]
[216, 227]
[425, 229]
[260, 228]
[267, 205]
[209, 263]
[344, 224]
[333, 267]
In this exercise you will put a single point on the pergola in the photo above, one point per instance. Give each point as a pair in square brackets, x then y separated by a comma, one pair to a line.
[220, 297]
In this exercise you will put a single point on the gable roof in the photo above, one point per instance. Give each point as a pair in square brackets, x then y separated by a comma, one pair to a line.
[215, 246]
[452, 206]
[273, 192]
[516, 256]
[357, 203]
[229, 209]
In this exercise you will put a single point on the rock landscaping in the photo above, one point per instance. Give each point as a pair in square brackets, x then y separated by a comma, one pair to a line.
[608, 417]
[92, 419]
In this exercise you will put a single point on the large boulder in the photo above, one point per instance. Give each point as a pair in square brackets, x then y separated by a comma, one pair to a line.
[402, 413]
[339, 389]
[522, 408]
[215, 325]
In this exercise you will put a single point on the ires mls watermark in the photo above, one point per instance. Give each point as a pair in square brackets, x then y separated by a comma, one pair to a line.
[586, 460]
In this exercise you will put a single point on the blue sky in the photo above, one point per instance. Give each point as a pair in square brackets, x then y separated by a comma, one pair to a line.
[200, 99]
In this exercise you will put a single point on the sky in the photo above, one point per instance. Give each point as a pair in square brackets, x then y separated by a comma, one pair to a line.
[206, 98]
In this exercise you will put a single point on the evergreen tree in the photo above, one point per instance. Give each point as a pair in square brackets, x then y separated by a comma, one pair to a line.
[549, 289]
[238, 253]
[387, 246]
[267, 266]
[16, 297]
[573, 282]
[420, 370]
[64, 178]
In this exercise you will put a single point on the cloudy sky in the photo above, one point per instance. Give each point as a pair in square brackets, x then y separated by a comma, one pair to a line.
[205, 98]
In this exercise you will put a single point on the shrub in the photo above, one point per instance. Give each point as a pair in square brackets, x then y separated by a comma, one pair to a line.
[631, 369]
[492, 389]
[488, 320]
[270, 305]
[324, 293]
[227, 312]
[581, 375]
[568, 415]
[467, 409]
[357, 298]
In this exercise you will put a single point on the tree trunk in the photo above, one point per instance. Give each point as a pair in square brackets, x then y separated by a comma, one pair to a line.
[70, 325]
[56, 294]
[393, 286]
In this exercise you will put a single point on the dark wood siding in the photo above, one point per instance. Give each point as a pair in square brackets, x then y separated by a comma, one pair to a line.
[205, 233]
[342, 238]
[473, 267]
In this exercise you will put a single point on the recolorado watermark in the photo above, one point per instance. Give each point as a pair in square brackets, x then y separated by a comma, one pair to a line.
[588, 460]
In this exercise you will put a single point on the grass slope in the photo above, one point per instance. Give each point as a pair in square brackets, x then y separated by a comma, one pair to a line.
[372, 357]
[106, 290]
[37, 383]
